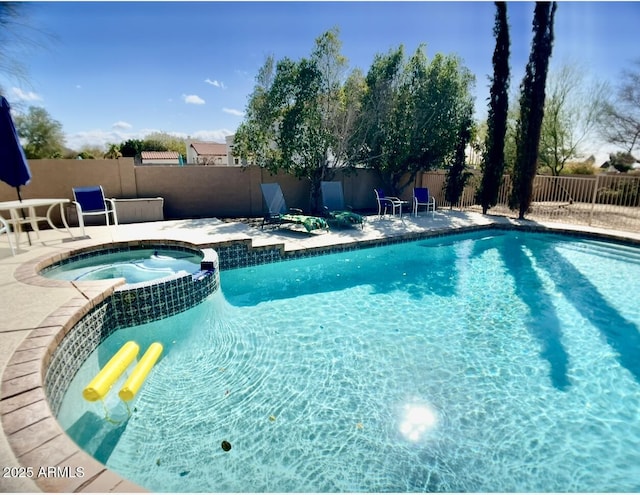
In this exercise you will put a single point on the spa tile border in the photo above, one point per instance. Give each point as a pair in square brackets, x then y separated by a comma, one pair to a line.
[113, 248]
[128, 305]
[35, 436]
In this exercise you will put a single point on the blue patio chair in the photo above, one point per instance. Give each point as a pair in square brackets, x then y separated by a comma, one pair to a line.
[421, 197]
[334, 207]
[278, 213]
[385, 202]
[90, 201]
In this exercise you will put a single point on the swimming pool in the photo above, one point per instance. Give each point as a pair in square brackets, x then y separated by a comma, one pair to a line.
[134, 265]
[498, 361]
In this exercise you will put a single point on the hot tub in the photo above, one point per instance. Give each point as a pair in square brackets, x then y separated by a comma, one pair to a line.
[135, 265]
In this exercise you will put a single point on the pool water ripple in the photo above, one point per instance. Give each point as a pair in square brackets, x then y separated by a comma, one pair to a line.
[485, 370]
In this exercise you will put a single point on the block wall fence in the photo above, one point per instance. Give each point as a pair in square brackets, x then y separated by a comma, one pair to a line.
[188, 191]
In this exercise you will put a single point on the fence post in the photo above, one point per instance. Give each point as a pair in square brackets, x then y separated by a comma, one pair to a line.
[593, 198]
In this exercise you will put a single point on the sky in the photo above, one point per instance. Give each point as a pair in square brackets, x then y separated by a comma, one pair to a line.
[112, 71]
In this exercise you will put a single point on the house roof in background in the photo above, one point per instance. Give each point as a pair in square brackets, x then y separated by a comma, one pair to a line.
[204, 148]
[159, 155]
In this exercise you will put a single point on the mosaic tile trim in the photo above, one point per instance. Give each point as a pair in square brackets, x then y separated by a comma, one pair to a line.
[115, 249]
[74, 349]
[129, 305]
[240, 255]
[139, 305]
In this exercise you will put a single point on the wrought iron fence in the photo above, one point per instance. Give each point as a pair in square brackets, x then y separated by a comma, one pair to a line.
[608, 201]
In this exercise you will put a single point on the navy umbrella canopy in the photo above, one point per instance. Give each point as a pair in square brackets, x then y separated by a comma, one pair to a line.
[14, 169]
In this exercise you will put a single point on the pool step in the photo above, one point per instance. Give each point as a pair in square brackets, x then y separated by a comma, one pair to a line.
[608, 250]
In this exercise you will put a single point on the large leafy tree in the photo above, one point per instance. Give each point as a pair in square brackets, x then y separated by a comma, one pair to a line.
[167, 141]
[373, 142]
[42, 135]
[442, 118]
[300, 114]
[254, 140]
[620, 118]
[494, 161]
[571, 113]
[532, 107]
[131, 147]
[411, 115]
[152, 142]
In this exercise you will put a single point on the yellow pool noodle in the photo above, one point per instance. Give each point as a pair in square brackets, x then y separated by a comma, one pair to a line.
[104, 380]
[140, 372]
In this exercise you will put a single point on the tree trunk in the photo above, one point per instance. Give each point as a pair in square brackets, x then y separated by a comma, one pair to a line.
[532, 107]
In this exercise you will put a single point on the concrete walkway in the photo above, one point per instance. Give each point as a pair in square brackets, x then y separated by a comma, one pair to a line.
[27, 300]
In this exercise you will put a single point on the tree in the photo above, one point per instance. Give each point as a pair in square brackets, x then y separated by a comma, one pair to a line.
[254, 141]
[168, 141]
[42, 134]
[113, 152]
[15, 37]
[571, 113]
[442, 118]
[622, 161]
[299, 115]
[371, 142]
[457, 175]
[532, 107]
[494, 161]
[153, 145]
[88, 152]
[131, 148]
[620, 119]
[411, 115]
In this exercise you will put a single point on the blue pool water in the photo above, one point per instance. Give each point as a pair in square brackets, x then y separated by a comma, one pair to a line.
[492, 362]
[137, 265]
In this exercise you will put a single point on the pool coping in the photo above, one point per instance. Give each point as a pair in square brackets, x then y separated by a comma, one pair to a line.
[33, 433]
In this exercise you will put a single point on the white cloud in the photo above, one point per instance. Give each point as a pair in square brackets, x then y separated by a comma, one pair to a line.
[193, 99]
[101, 138]
[217, 136]
[217, 84]
[25, 95]
[121, 125]
[233, 111]
[78, 86]
[98, 137]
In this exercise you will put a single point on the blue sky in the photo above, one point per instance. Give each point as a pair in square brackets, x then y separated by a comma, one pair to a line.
[110, 71]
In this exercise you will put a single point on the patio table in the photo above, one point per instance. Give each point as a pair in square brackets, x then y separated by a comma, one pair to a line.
[17, 208]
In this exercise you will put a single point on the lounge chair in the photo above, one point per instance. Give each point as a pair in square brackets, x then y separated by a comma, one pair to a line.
[334, 207]
[90, 201]
[385, 202]
[421, 197]
[278, 213]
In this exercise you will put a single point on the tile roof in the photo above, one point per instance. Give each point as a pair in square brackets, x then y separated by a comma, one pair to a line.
[159, 155]
[209, 148]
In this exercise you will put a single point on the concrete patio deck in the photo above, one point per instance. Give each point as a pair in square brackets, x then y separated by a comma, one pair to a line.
[27, 300]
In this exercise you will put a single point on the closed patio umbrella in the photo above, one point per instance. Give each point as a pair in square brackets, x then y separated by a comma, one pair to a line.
[14, 169]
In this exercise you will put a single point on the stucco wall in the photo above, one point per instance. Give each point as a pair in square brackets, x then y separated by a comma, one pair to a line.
[188, 191]
[55, 178]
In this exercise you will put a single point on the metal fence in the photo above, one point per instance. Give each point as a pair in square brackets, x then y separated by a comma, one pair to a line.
[608, 201]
